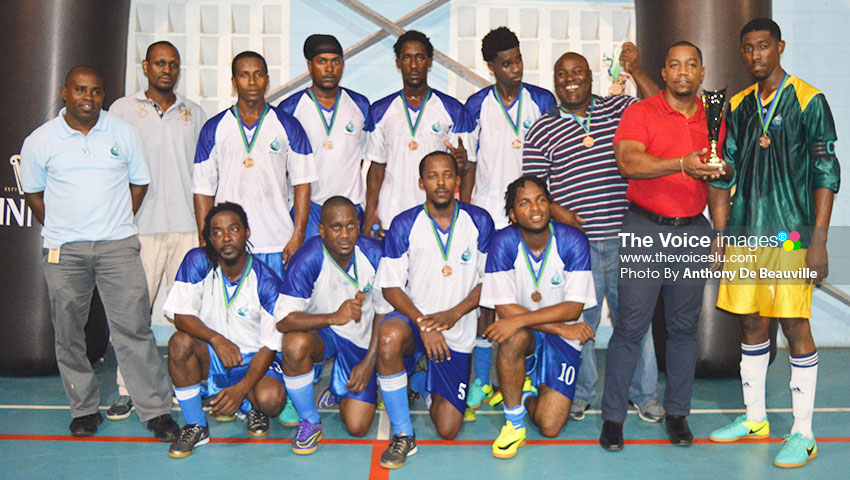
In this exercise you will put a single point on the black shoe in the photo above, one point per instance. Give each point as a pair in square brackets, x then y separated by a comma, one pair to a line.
[400, 448]
[121, 408]
[258, 423]
[191, 436]
[680, 433]
[612, 436]
[164, 428]
[86, 425]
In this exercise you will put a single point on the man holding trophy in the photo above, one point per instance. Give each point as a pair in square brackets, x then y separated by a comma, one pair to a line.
[659, 147]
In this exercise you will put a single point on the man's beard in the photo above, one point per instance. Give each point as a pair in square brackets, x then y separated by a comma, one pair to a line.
[442, 206]
[534, 230]
[231, 261]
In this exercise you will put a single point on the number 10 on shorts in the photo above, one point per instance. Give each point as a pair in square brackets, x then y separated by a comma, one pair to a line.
[568, 374]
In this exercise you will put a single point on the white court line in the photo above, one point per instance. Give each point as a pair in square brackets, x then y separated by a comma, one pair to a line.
[382, 415]
[383, 426]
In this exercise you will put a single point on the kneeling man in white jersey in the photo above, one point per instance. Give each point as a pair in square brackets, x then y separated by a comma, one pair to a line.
[538, 279]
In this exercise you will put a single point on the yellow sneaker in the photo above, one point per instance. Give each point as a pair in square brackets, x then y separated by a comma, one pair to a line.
[469, 415]
[508, 441]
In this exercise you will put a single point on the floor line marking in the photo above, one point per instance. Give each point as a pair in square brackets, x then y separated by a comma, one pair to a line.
[376, 471]
[383, 426]
[379, 444]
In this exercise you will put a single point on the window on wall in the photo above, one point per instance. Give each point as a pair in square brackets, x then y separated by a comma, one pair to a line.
[546, 30]
[208, 35]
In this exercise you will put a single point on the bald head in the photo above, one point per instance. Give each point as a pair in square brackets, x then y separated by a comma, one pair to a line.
[573, 82]
[573, 56]
[83, 97]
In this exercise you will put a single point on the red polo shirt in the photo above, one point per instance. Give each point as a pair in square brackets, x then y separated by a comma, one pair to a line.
[666, 133]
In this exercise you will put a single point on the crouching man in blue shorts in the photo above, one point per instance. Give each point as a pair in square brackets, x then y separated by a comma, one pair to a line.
[225, 304]
[538, 279]
[431, 274]
[329, 313]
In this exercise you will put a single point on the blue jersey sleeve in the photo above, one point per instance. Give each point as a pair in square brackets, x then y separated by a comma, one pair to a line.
[195, 267]
[372, 249]
[304, 269]
[543, 98]
[298, 140]
[472, 110]
[503, 250]
[268, 285]
[573, 247]
[377, 111]
[206, 139]
[454, 108]
[483, 222]
[289, 105]
[398, 236]
[361, 101]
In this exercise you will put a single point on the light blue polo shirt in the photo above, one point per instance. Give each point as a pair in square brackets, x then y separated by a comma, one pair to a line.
[85, 178]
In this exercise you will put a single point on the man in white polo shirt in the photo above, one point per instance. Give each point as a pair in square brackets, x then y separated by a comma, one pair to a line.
[245, 154]
[169, 125]
[334, 118]
[84, 176]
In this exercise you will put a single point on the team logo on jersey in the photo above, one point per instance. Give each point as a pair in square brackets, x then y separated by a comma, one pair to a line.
[275, 145]
[115, 150]
[466, 255]
[436, 127]
[367, 288]
[350, 127]
[243, 311]
[527, 123]
[557, 279]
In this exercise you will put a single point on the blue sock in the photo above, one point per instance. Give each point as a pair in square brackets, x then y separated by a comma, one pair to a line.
[300, 390]
[481, 357]
[515, 415]
[394, 391]
[189, 399]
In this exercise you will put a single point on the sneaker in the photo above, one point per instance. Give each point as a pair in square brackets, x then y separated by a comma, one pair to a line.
[206, 404]
[327, 399]
[478, 394]
[164, 428]
[191, 436]
[306, 441]
[577, 409]
[258, 423]
[289, 416]
[381, 406]
[121, 408]
[796, 452]
[527, 388]
[508, 441]
[401, 447]
[650, 411]
[741, 428]
[86, 425]
[469, 415]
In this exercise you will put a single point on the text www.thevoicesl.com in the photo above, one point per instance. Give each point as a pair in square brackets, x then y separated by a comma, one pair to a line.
[661, 257]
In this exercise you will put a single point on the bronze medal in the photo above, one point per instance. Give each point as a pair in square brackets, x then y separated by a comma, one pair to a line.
[517, 144]
[615, 89]
[248, 162]
[413, 145]
[536, 297]
[446, 271]
[588, 141]
[764, 141]
[329, 145]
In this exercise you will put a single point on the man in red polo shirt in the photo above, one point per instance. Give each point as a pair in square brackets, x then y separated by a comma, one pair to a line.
[658, 145]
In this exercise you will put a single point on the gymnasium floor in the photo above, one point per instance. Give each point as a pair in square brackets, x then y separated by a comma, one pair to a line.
[35, 442]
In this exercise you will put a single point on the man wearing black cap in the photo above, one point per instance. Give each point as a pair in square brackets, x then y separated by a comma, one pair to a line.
[334, 118]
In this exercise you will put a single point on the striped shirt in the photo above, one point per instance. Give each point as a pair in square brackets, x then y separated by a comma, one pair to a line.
[584, 180]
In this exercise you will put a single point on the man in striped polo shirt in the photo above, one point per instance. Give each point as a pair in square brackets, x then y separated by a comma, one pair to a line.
[571, 147]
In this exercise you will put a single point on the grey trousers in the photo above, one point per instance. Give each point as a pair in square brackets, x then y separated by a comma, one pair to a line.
[115, 267]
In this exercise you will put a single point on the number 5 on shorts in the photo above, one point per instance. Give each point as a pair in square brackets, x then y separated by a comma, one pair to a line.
[568, 374]
[461, 391]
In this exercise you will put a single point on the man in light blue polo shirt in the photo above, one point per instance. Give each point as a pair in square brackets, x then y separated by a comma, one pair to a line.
[84, 176]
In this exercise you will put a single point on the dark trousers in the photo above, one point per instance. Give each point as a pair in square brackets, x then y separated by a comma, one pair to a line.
[638, 297]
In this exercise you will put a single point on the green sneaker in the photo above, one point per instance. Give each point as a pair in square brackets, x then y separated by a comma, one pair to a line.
[741, 428]
[478, 394]
[796, 452]
[289, 416]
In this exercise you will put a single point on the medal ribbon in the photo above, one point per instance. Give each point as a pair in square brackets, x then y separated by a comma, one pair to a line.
[229, 300]
[250, 146]
[327, 127]
[765, 120]
[584, 122]
[410, 125]
[444, 249]
[527, 252]
[514, 126]
[354, 280]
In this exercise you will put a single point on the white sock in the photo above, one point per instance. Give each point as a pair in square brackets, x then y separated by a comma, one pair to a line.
[804, 381]
[754, 362]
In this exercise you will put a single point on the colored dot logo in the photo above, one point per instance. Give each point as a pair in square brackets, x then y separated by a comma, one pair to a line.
[790, 241]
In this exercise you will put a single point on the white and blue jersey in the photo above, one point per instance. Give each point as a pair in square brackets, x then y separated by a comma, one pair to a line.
[492, 142]
[390, 143]
[315, 285]
[338, 154]
[260, 186]
[413, 261]
[247, 316]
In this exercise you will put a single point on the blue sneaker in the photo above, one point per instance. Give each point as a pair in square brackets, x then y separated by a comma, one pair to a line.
[478, 394]
[741, 428]
[306, 441]
[796, 452]
[327, 399]
[289, 416]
